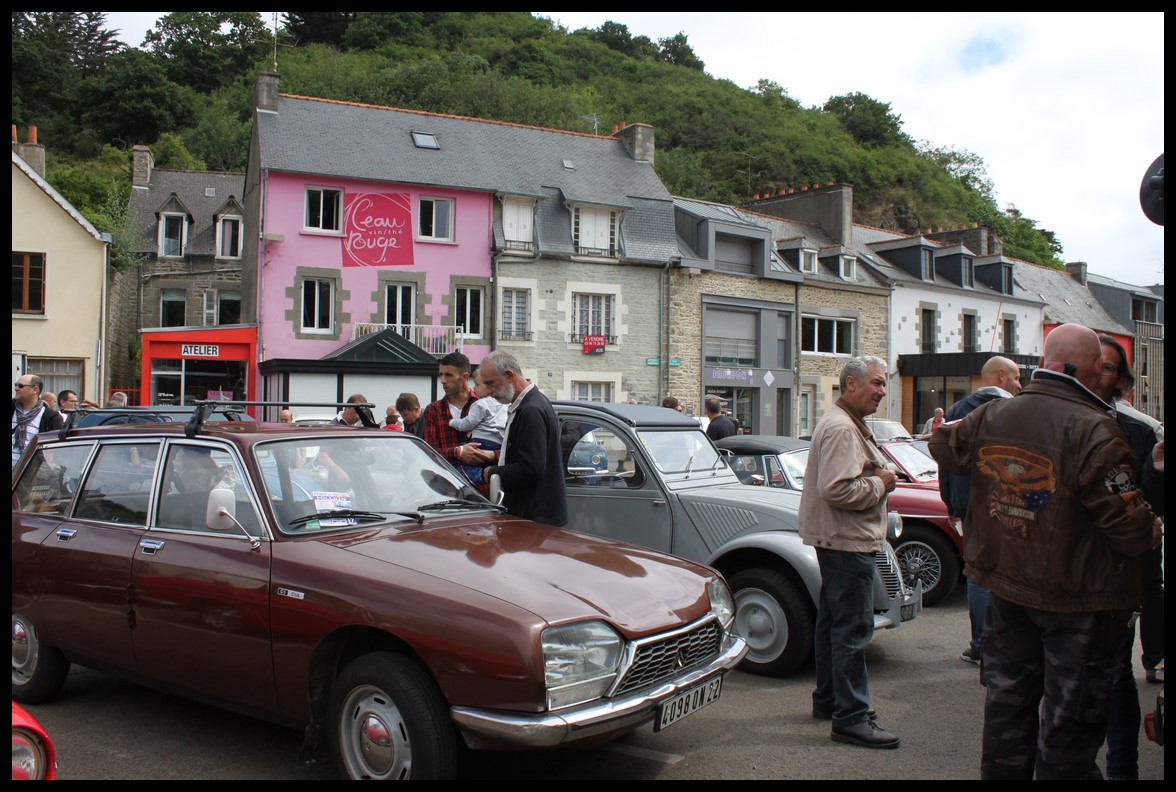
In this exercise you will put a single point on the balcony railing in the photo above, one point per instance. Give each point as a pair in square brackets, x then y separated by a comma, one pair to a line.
[516, 335]
[437, 340]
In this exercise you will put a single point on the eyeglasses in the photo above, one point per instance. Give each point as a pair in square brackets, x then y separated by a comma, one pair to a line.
[21, 385]
[1107, 368]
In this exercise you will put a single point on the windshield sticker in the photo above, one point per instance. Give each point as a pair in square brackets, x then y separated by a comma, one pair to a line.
[333, 501]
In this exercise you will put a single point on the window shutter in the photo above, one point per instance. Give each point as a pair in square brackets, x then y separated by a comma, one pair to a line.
[209, 307]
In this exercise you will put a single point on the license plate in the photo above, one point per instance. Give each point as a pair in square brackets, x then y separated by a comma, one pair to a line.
[690, 701]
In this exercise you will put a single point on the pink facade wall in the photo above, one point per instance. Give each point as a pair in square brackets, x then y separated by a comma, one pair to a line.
[377, 240]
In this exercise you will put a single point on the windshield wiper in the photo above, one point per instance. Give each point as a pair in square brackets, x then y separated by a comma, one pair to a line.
[336, 514]
[459, 503]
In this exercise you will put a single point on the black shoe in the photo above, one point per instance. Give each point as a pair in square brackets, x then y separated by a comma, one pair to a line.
[824, 714]
[867, 734]
[969, 655]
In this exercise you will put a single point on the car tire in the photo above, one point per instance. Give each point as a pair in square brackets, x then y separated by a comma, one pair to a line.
[775, 618]
[389, 721]
[925, 554]
[38, 669]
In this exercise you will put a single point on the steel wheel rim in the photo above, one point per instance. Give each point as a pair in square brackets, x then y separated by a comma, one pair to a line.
[24, 651]
[374, 736]
[760, 621]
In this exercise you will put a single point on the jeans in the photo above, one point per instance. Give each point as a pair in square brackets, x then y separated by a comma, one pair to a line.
[1151, 618]
[845, 625]
[977, 607]
[1124, 716]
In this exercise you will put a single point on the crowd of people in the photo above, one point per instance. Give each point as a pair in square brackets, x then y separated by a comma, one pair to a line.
[1057, 486]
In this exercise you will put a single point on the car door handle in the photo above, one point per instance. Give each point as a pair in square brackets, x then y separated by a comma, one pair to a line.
[659, 503]
[150, 546]
[65, 534]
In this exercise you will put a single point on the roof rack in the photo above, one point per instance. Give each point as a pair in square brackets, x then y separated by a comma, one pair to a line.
[203, 408]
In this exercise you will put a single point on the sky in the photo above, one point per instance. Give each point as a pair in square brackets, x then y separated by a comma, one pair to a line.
[1066, 109]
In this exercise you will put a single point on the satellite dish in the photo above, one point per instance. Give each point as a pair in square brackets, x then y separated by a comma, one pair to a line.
[1151, 192]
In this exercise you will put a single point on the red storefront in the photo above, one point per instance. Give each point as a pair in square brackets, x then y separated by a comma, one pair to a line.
[183, 365]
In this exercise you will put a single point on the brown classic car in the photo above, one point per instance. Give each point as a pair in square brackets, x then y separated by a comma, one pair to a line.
[350, 582]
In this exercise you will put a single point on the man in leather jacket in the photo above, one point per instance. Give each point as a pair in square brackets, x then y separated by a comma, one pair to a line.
[1056, 526]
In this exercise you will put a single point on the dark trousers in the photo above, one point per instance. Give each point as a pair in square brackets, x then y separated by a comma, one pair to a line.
[845, 625]
[1048, 677]
[1123, 718]
[977, 608]
[1151, 618]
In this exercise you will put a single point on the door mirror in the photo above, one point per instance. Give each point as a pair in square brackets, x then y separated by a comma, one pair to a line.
[221, 513]
[496, 489]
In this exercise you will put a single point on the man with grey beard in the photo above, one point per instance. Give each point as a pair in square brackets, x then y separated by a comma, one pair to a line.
[530, 465]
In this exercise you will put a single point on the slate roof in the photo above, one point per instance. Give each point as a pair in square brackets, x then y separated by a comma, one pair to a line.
[1139, 291]
[191, 188]
[1066, 300]
[383, 346]
[356, 141]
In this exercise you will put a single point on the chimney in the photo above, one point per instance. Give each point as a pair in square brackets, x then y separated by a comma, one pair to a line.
[638, 139]
[829, 207]
[31, 152]
[265, 94]
[142, 165]
[1077, 271]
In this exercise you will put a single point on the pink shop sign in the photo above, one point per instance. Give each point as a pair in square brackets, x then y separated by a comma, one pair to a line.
[378, 230]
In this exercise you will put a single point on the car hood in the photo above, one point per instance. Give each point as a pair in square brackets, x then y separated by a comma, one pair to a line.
[558, 575]
[912, 499]
[730, 509]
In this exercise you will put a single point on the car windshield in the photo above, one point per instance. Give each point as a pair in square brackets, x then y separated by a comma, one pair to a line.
[346, 479]
[678, 451]
[888, 430]
[918, 465]
[795, 463]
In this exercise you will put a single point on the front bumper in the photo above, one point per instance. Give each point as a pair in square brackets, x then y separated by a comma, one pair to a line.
[593, 719]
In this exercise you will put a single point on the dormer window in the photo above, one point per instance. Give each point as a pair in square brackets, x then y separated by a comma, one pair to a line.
[518, 223]
[173, 235]
[808, 261]
[594, 231]
[927, 265]
[848, 268]
[425, 140]
[228, 237]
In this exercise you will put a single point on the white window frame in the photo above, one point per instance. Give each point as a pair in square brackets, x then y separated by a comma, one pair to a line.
[393, 300]
[225, 238]
[427, 212]
[178, 296]
[463, 317]
[926, 264]
[836, 322]
[318, 297]
[316, 204]
[594, 314]
[592, 391]
[969, 274]
[518, 223]
[848, 268]
[595, 231]
[515, 324]
[808, 261]
[165, 220]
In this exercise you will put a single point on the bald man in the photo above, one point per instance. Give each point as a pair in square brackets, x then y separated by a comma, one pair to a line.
[1000, 378]
[1056, 514]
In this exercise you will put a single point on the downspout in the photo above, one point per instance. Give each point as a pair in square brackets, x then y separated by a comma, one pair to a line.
[663, 332]
[100, 351]
[495, 254]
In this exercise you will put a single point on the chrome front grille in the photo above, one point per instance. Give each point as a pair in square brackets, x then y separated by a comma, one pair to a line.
[888, 568]
[663, 656]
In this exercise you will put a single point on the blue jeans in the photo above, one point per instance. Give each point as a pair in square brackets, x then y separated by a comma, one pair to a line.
[845, 625]
[977, 607]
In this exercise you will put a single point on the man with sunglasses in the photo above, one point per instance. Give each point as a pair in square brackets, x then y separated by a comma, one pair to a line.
[30, 415]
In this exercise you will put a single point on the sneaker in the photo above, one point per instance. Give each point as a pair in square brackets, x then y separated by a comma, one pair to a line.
[866, 734]
[970, 656]
[820, 713]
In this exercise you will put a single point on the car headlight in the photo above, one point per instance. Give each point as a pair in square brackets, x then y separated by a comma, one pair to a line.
[722, 603]
[893, 525]
[29, 760]
[580, 662]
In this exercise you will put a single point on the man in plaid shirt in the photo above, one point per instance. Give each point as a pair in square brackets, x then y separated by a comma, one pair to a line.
[455, 446]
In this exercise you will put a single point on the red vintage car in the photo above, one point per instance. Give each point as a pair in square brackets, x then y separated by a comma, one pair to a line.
[350, 582]
[931, 547]
[33, 755]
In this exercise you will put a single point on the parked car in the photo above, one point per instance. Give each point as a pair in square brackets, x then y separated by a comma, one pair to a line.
[930, 550]
[888, 430]
[378, 601]
[914, 463]
[33, 756]
[664, 485]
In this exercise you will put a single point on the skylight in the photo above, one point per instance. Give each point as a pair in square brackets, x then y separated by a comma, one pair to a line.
[426, 140]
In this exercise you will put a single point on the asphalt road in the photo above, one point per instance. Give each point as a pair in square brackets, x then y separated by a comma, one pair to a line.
[759, 729]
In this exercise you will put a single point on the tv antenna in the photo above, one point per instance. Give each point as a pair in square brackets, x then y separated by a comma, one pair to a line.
[749, 171]
[595, 121]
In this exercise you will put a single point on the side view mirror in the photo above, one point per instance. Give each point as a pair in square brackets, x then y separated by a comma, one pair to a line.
[221, 513]
[496, 489]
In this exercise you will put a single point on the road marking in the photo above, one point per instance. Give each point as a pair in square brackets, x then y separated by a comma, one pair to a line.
[645, 753]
